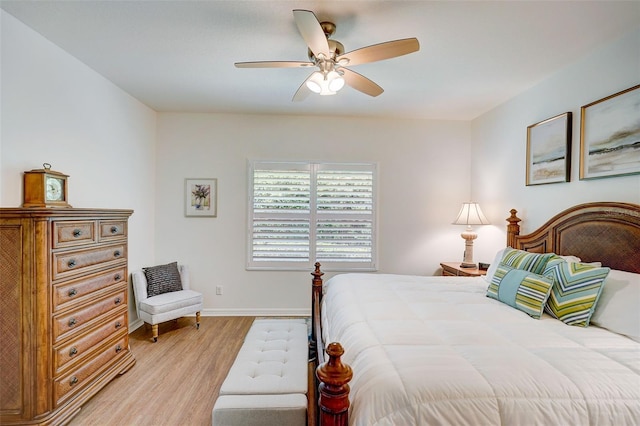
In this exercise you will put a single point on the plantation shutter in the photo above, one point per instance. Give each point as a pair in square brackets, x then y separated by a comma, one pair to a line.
[281, 206]
[303, 212]
[344, 215]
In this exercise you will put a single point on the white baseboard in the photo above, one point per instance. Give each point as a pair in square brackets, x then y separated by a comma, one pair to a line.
[257, 312]
[133, 326]
[254, 312]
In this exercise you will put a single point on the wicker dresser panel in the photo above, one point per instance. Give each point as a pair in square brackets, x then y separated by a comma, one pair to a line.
[10, 308]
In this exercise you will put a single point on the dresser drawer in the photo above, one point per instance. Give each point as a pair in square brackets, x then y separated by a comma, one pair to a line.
[79, 319]
[71, 292]
[73, 233]
[73, 262]
[112, 229]
[78, 348]
[68, 384]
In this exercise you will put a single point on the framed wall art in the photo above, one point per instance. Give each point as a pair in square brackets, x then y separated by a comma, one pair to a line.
[200, 197]
[549, 150]
[610, 136]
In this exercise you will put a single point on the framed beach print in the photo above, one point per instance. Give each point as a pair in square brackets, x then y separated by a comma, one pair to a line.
[549, 150]
[200, 197]
[610, 136]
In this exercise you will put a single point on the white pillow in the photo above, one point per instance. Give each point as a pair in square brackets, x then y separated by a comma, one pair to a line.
[571, 259]
[618, 308]
[494, 265]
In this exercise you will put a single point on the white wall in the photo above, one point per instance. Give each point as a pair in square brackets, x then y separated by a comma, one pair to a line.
[57, 110]
[423, 177]
[500, 137]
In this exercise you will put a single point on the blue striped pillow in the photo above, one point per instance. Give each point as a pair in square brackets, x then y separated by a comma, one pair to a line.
[520, 259]
[520, 289]
[576, 290]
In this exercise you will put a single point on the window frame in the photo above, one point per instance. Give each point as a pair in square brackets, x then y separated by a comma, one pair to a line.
[313, 168]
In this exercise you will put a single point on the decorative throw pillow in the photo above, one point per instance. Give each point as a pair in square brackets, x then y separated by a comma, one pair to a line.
[162, 279]
[576, 290]
[520, 289]
[520, 259]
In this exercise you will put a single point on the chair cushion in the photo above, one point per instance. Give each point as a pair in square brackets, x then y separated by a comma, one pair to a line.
[171, 301]
[162, 279]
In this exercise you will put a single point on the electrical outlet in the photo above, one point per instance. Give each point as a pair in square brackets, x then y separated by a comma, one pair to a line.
[219, 290]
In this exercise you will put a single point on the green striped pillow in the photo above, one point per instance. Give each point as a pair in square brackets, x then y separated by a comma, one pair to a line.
[520, 289]
[576, 290]
[520, 259]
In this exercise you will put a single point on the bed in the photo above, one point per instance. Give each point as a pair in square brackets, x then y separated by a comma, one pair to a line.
[396, 350]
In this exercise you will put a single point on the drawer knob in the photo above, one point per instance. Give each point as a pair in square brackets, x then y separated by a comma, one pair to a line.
[117, 277]
[73, 381]
[77, 232]
[117, 253]
[73, 292]
[72, 322]
[71, 263]
[118, 300]
[118, 324]
[118, 348]
[73, 351]
[114, 229]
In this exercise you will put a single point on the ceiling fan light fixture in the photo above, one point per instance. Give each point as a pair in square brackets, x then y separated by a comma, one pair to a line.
[336, 82]
[315, 82]
[325, 83]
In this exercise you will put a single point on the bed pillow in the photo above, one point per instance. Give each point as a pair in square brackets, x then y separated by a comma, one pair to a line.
[494, 265]
[575, 292]
[520, 259]
[617, 309]
[162, 279]
[520, 289]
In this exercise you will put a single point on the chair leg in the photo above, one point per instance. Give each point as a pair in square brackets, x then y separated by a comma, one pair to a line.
[198, 320]
[154, 329]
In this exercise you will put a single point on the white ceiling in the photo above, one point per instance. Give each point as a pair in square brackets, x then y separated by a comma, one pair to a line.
[474, 55]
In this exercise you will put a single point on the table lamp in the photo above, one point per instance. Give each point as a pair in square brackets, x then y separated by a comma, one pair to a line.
[470, 214]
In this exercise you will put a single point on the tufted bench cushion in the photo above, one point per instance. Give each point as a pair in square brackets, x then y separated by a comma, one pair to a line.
[268, 379]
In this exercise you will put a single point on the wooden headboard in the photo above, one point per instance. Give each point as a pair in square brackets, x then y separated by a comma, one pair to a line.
[606, 232]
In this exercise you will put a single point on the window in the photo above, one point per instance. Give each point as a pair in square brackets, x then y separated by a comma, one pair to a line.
[300, 213]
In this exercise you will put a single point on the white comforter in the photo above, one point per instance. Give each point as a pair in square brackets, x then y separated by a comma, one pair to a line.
[436, 351]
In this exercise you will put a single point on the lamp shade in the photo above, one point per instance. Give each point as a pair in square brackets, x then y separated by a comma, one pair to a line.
[470, 214]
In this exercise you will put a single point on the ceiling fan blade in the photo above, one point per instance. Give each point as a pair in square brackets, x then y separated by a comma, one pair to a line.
[311, 32]
[379, 52]
[273, 64]
[302, 92]
[361, 83]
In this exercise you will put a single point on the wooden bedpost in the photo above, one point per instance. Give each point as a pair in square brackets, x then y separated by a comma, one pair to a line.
[513, 229]
[316, 298]
[334, 377]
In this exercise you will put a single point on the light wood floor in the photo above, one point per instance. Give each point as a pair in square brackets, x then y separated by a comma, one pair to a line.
[175, 381]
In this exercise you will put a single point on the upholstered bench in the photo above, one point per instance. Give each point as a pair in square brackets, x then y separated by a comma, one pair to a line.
[267, 383]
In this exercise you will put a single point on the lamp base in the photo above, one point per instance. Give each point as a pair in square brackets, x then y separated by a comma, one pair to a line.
[468, 265]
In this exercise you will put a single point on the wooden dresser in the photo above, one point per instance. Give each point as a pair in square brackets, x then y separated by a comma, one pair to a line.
[63, 304]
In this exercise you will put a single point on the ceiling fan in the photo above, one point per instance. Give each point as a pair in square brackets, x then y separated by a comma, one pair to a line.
[329, 57]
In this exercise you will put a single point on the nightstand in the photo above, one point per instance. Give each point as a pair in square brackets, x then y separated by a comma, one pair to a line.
[454, 269]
